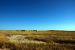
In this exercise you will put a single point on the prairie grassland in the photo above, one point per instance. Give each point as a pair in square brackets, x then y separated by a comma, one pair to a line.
[37, 40]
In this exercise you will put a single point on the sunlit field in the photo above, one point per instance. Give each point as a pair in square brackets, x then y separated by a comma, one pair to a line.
[37, 40]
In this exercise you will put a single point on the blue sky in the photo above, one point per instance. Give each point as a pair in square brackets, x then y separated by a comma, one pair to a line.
[37, 14]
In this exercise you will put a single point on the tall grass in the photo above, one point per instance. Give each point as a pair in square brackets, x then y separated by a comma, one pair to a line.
[37, 40]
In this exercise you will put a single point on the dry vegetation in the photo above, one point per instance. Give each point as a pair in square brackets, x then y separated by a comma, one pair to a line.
[37, 40]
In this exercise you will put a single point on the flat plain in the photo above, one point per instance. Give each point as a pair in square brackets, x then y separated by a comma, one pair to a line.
[37, 40]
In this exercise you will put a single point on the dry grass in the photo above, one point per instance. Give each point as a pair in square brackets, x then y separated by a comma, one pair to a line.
[37, 40]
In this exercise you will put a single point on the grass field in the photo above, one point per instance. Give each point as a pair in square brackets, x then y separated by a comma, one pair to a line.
[37, 40]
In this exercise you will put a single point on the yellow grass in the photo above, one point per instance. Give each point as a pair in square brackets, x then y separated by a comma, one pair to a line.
[37, 40]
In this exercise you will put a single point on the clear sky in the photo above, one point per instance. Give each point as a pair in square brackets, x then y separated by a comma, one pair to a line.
[37, 14]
